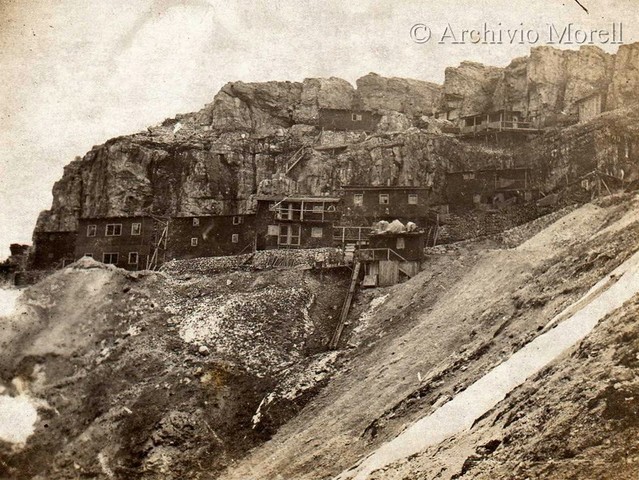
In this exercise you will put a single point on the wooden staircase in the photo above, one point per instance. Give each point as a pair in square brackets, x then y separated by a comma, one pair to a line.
[345, 308]
[296, 158]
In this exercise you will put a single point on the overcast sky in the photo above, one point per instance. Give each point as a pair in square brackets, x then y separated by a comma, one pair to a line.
[74, 73]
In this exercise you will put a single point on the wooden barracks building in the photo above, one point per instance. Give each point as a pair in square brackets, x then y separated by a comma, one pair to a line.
[295, 222]
[127, 242]
[365, 204]
[210, 236]
[280, 222]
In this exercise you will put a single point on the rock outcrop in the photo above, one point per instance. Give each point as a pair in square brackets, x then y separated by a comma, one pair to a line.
[542, 85]
[558, 78]
[469, 88]
[403, 95]
[624, 88]
[214, 161]
[265, 107]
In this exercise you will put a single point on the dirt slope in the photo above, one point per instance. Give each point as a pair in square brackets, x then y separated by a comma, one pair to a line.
[150, 376]
[576, 419]
[437, 334]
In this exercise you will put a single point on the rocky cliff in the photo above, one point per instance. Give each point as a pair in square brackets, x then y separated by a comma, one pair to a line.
[214, 161]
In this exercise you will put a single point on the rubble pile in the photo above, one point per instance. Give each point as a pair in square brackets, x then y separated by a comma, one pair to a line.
[205, 265]
[148, 375]
[293, 258]
[270, 326]
[263, 259]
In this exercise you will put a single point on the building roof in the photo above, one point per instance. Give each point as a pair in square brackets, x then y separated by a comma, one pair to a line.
[599, 91]
[383, 187]
[485, 170]
[207, 215]
[118, 217]
[492, 112]
[396, 234]
[278, 198]
[352, 110]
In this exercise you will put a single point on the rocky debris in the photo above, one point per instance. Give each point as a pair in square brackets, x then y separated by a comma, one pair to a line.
[144, 375]
[261, 259]
[249, 322]
[299, 380]
[306, 257]
[205, 265]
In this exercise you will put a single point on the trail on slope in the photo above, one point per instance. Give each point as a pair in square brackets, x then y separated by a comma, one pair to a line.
[460, 413]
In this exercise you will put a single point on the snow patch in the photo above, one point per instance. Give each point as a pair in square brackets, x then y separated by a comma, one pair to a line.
[8, 301]
[17, 418]
[365, 317]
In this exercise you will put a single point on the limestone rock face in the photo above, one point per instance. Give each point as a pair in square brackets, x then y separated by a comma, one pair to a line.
[322, 93]
[408, 96]
[511, 91]
[266, 107]
[469, 88]
[557, 78]
[258, 107]
[624, 89]
[216, 160]
[544, 84]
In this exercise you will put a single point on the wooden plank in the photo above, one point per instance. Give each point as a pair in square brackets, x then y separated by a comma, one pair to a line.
[388, 273]
[345, 308]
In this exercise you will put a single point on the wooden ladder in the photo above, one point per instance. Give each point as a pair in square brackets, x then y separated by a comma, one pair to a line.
[345, 308]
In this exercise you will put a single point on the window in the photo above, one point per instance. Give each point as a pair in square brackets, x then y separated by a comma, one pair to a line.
[384, 199]
[356, 117]
[110, 258]
[401, 244]
[133, 258]
[317, 232]
[196, 222]
[90, 255]
[136, 228]
[358, 199]
[113, 230]
[194, 242]
[237, 220]
[91, 230]
[412, 199]
[273, 230]
[235, 238]
[289, 235]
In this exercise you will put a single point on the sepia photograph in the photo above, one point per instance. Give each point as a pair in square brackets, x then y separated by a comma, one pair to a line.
[319, 240]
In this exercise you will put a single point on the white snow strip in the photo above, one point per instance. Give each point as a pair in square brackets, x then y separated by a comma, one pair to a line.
[460, 413]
